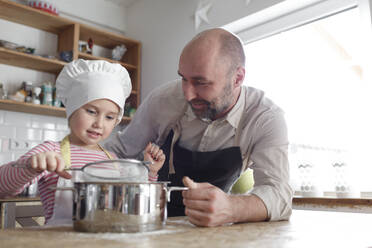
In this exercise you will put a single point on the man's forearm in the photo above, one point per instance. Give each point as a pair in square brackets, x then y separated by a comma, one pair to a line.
[248, 208]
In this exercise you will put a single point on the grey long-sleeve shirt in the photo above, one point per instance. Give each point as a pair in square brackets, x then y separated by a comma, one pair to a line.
[263, 139]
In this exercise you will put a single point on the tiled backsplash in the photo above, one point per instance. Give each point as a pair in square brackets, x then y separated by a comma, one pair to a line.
[19, 132]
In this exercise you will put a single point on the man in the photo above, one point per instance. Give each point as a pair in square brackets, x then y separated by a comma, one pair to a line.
[212, 128]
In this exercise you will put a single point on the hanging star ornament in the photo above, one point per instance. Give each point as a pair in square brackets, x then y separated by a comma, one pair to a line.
[201, 14]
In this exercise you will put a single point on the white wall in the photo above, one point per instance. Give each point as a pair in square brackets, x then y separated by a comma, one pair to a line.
[100, 13]
[165, 26]
[19, 132]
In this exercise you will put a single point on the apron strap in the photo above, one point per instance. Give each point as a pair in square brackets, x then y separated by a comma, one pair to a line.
[106, 152]
[176, 135]
[65, 151]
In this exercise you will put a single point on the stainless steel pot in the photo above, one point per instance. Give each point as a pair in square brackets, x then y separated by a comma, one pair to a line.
[120, 207]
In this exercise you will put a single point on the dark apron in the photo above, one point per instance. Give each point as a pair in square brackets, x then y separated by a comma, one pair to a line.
[220, 168]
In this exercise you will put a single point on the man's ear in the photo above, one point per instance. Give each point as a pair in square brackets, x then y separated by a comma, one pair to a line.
[239, 76]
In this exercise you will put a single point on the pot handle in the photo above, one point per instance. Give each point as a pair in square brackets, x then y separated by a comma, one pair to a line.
[168, 190]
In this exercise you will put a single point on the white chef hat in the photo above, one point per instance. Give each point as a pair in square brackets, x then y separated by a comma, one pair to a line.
[83, 81]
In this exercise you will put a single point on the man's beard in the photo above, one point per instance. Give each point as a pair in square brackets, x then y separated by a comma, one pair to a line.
[215, 106]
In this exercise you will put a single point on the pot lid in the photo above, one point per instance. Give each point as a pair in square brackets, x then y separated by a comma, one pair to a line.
[124, 170]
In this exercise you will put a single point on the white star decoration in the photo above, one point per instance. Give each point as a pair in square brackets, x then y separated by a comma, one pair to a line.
[201, 14]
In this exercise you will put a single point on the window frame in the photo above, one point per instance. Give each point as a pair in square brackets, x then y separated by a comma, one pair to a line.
[290, 14]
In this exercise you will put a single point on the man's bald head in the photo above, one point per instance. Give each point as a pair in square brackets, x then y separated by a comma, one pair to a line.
[227, 46]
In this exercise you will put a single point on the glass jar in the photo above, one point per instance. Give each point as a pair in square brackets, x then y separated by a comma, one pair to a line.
[3, 94]
[47, 91]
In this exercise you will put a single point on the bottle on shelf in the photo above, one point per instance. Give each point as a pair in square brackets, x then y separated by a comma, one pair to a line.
[3, 94]
[47, 91]
[27, 87]
[36, 95]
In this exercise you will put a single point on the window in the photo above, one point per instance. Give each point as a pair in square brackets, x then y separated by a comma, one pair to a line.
[316, 73]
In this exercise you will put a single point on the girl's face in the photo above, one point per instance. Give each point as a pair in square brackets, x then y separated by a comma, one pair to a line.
[93, 123]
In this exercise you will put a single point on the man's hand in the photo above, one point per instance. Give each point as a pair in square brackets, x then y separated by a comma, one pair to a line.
[50, 161]
[206, 205]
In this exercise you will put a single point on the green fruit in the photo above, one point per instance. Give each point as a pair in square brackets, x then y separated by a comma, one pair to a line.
[244, 183]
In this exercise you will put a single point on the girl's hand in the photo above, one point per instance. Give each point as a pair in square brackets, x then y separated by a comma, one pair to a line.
[50, 161]
[154, 154]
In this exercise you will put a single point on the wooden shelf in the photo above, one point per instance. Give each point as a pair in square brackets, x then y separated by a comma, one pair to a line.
[331, 202]
[15, 58]
[92, 57]
[32, 17]
[31, 108]
[103, 38]
[69, 33]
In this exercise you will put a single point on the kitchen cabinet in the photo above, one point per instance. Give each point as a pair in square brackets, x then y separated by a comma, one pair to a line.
[69, 34]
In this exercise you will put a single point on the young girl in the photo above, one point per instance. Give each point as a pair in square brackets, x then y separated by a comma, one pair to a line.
[94, 93]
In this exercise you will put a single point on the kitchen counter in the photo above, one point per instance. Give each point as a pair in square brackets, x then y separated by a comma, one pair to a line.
[305, 229]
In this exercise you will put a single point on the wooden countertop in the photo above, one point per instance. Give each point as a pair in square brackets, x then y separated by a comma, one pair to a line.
[305, 229]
